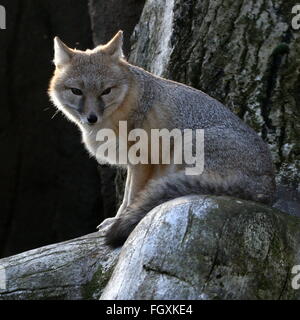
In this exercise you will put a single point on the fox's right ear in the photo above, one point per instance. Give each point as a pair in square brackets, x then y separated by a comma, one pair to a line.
[114, 46]
[62, 53]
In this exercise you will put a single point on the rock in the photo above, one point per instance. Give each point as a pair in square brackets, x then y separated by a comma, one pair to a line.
[197, 247]
[151, 39]
[75, 270]
[204, 247]
[288, 200]
[110, 16]
[243, 53]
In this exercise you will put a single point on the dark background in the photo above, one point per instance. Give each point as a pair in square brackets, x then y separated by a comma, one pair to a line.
[50, 189]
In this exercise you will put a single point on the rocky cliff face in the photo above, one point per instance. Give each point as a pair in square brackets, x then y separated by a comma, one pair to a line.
[243, 53]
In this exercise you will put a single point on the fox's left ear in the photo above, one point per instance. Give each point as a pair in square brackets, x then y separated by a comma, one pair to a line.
[115, 46]
[62, 53]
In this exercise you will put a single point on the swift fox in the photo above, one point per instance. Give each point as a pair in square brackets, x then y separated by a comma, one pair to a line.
[97, 89]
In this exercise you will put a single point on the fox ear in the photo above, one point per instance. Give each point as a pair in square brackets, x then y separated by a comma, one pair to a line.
[115, 46]
[62, 53]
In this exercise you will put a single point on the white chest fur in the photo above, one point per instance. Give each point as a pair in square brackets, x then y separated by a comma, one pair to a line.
[96, 144]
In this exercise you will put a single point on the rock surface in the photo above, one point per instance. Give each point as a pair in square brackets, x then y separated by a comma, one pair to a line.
[204, 247]
[110, 16]
[73, 270]
[197, 247]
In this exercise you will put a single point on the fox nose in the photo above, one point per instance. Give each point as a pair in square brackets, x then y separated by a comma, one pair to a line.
[92, 119]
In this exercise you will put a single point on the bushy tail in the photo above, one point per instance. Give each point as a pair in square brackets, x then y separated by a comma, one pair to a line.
[178, 185]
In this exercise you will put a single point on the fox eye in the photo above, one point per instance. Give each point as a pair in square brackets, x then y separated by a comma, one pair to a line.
[106, 92]
[76, 91]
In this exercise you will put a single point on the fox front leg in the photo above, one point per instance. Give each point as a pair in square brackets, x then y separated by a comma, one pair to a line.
[137, 178]
[127, 191]
[105, 225]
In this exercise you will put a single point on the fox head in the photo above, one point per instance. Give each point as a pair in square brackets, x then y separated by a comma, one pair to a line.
[88, 86]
